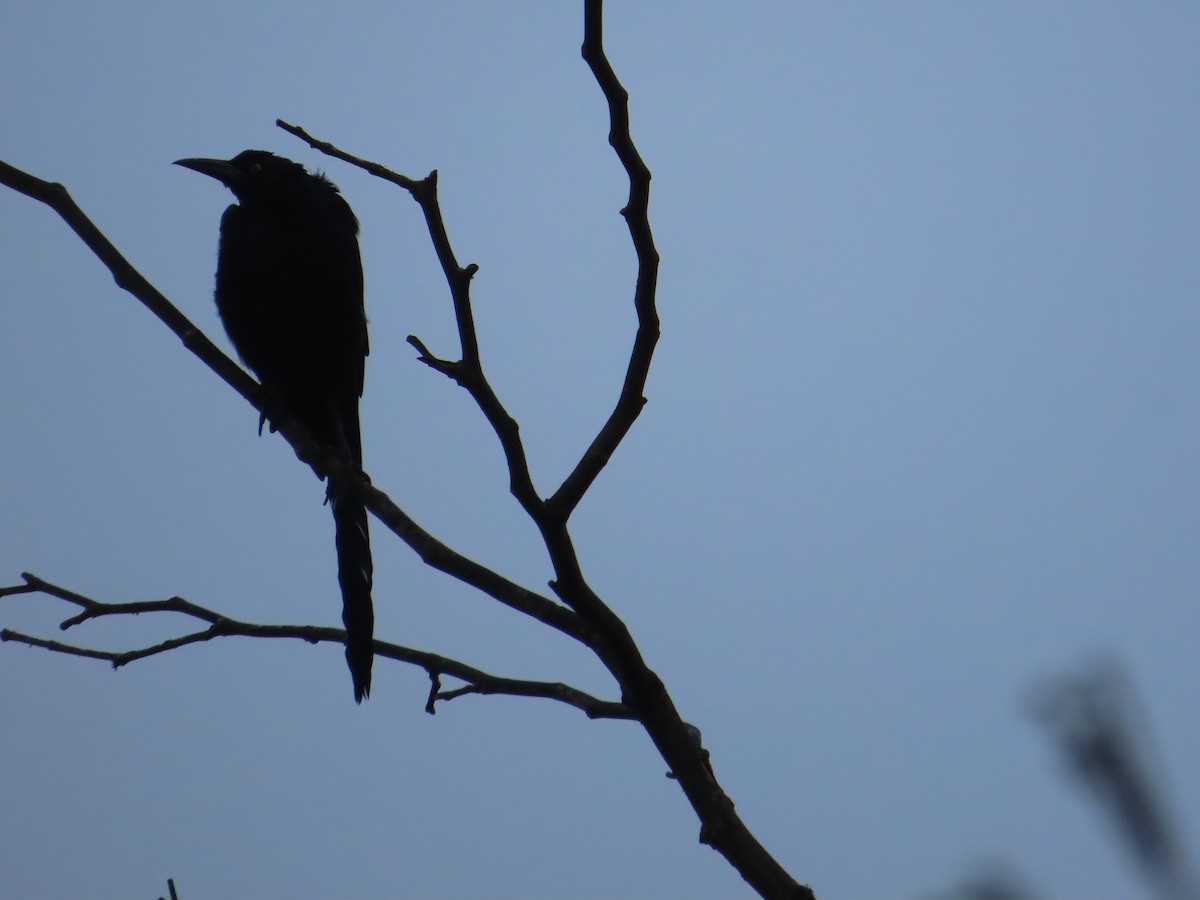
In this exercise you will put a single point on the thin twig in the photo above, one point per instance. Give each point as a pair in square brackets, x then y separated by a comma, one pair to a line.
[476, 680]
[637, 217]
[468, 371]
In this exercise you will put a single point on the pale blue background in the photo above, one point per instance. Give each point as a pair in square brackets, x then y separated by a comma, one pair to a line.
[922, 431]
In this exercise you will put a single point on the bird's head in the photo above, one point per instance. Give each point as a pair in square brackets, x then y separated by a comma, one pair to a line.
[251, 174]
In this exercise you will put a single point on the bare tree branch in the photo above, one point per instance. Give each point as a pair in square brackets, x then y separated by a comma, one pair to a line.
[641, 689]
[582, 614]
[445, 559]
[130, 279]
[429, 548]
[467, 371]
[551, 521]
[476, 680]
[637, 217]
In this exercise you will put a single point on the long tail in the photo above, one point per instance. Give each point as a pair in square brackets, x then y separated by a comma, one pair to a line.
[355, 574]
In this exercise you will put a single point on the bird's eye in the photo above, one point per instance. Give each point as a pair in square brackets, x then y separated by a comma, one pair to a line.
[255, 168]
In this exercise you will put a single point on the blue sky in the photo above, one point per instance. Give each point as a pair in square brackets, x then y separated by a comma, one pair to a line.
[921, 433]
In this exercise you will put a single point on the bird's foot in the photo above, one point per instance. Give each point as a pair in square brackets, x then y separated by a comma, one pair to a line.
[268, 405]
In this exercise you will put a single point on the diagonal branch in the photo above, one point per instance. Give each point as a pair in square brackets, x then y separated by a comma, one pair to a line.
[467, 371]
[476, 681]
[130, 279]
[438, 555]
[321, 459]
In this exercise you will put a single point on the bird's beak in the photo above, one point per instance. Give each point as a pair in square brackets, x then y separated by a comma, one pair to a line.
[219, 169]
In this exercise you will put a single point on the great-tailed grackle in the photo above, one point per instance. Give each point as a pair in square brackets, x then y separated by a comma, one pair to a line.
[290, 294]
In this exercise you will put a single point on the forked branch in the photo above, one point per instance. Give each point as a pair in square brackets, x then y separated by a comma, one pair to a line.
[642, 690]
[582, 614]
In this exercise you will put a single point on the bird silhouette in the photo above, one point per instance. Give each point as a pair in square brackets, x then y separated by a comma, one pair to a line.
[290, 295]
